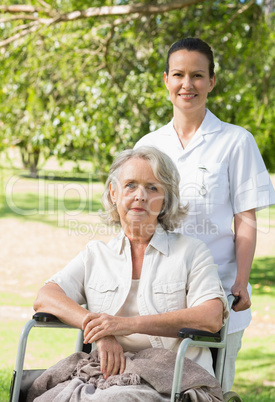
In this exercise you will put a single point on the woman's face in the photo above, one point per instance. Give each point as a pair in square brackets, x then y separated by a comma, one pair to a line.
[188, 81]
[139, 196]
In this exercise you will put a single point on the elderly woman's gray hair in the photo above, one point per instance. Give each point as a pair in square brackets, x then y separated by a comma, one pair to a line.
[165, 172]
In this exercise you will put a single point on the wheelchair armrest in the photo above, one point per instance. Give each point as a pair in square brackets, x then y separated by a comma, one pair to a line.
[45, 317]
[198, 335]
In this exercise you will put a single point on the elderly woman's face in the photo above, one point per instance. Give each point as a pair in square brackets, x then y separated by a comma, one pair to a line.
[139, 196]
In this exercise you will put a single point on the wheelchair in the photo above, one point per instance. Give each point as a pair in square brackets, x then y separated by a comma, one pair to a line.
[23, 379]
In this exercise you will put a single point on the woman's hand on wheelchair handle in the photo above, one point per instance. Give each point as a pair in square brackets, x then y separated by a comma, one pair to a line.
[244, 300]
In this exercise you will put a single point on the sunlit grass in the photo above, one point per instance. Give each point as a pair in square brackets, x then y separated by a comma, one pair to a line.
[44, 348]
[14, 299]
[46, 200]
[255, 369]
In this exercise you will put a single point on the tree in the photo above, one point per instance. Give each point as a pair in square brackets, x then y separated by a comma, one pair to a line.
[53, 80]
[45, 15]
[91, 87]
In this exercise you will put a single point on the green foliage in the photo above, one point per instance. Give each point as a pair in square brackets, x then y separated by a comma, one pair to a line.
[89, 88]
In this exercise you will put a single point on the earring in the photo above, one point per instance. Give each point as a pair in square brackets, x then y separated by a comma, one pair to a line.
[114, 204]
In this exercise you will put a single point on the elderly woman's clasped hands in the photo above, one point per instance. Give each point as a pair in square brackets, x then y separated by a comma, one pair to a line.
[97, 326]
[102, 328]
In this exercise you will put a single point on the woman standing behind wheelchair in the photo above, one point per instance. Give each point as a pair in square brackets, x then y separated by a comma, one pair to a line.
[223, 178]
[145, 284]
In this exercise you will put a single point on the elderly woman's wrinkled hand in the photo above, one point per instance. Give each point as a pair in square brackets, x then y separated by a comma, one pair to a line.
[97, 326]
[112, 359]
[102, 328]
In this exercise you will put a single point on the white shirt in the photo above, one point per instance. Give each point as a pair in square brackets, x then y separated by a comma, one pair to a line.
[222, 173]
[133, 342]
[178, 272]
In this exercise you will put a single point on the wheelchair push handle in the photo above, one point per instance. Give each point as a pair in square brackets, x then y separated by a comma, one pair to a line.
[236, 300]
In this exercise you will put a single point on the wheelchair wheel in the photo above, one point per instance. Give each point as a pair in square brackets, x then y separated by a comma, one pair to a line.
[231, 397]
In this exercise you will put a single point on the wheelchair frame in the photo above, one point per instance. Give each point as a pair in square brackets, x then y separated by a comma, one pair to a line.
[191, 338]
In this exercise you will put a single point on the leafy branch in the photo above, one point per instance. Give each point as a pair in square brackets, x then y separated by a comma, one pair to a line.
[46, 16]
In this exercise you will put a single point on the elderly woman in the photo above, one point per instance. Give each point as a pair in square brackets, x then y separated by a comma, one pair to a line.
[146, 283]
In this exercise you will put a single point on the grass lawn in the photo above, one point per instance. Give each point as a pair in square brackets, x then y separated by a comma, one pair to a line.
[255, 366]
[45, 200]
[45, 348]
[255, 370]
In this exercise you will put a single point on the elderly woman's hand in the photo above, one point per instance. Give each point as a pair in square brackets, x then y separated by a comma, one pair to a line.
[97, 326]
[101, 328]
[112, 359]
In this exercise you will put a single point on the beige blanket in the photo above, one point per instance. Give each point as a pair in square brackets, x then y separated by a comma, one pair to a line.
[148, 377]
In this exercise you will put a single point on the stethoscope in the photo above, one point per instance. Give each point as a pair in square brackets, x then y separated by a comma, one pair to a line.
[202, 190]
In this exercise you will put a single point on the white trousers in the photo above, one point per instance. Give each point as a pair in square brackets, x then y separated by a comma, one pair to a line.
[234, 343]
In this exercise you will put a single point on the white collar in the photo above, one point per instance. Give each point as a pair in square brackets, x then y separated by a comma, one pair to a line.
[209, 125]
[159, 241]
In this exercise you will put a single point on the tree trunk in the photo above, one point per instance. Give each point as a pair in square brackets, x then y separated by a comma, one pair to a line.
[30, 158]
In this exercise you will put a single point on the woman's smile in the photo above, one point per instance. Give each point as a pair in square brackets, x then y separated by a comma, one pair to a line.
[188, 81]
[187, 96]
